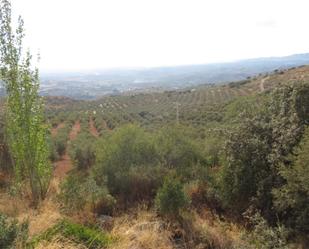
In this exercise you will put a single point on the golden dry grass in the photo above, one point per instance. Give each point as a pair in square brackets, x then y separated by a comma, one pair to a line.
[45, 217]
[59, 243]
[217, 233]
[12, 206]
[141, 231]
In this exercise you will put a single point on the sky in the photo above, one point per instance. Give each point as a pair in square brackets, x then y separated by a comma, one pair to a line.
[76, 35]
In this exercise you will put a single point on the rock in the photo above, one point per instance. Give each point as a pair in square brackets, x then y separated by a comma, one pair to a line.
[105, 221]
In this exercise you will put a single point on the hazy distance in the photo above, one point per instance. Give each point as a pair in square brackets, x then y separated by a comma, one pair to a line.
[74, 35]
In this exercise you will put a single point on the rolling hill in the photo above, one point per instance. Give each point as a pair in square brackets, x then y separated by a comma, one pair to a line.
[97, 83]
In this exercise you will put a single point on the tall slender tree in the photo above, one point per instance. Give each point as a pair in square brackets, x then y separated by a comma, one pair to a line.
[25, 129]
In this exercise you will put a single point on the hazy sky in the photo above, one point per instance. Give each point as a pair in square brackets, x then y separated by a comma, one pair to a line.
[89, 34]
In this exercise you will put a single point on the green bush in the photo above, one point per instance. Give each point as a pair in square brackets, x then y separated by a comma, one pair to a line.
[60, 141]
[292, 198]
[264, 236]
[71, 193]
[77, 191]
[177, 150]
[171, 198]
[128, 161]
[82, 151]
[12, 235]
[90, 237]
[5, 156]
[259, 145]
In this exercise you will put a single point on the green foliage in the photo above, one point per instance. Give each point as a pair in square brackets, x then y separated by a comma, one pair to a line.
[134, 161]
[264, 236]
[77, 191]
[59, 142]
[213, 149]
[60, 145]
[71, 193]
[90, 237]
[82, 151]
[127, 158]
[24, 116]
[247, 167]
[12, 235]
[171, 198]
[293, 197]
[5, 155]
[177, 150]
[257, 147]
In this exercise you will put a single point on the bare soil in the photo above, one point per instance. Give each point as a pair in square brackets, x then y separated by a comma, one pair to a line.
[93, 129]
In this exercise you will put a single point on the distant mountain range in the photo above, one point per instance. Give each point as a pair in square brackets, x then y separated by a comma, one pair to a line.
[92, 84]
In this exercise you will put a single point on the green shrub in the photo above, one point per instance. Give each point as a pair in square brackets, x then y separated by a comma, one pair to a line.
[60, 142]
[170, 198]
[5, 155]
[71, 193]
[128, 161]
[90, 237]
[77, 191]
[264, 236]
[292, 198]
[259, 145]
[12, 235]
[179, 151]
[82, 151]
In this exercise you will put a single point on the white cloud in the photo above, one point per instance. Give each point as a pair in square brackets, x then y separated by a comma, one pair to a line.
[76, 34]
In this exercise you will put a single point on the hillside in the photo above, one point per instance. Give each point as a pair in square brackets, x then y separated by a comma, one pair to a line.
[125, 176]
[196, 106]
[188, 156]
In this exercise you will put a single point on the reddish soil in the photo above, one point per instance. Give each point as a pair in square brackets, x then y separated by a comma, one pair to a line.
[75, 130]
[93, 129]
[64, 165]
[54, 130]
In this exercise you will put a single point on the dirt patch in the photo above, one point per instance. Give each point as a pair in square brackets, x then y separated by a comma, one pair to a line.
[262, 87]
[93, 129]
[62, 167]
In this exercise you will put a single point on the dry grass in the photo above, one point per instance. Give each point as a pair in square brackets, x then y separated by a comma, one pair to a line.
[59, 243]
[216, 233]
[141, 231]
[12, 206]
[45, 217]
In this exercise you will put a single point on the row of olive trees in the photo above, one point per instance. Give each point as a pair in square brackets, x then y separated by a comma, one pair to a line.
[25, 130]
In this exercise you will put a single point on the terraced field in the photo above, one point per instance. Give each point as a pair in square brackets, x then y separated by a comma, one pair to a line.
[194, 106]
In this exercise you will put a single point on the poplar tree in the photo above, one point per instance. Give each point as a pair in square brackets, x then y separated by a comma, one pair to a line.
[25, 129]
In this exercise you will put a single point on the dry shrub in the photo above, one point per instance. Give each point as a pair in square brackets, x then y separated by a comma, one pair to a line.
[202, 195]
[85, 217]
[142, 230]
[214, 233]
